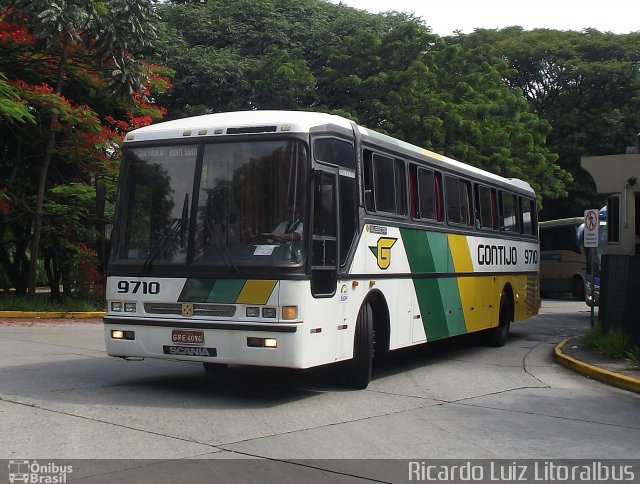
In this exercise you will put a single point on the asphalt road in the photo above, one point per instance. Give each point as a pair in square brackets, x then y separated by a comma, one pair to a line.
[61, 397]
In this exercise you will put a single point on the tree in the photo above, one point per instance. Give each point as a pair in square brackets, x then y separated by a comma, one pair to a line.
[90, 122]
[113, 28]
[387, 71]
[12, 108]
[584, 84]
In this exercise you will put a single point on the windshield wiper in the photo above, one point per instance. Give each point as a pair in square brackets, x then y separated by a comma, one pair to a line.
[176, 227]
[229, 263]
[168, 237]
[228, 260]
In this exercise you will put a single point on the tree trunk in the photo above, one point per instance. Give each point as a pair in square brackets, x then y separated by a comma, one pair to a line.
[42, 179]
[53, 274]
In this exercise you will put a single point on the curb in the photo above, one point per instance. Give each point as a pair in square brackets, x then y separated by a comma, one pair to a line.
[612, 378]
[52, 314]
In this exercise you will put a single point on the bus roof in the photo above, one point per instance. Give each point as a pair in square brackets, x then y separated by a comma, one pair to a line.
[245, 122]
[219, 123]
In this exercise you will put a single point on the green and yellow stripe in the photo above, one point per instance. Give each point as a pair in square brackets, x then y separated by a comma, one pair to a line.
[227, 291]
[452, 300]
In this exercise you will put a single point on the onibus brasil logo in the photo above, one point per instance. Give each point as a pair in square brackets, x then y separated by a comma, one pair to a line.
[32, 472]
[382, 251]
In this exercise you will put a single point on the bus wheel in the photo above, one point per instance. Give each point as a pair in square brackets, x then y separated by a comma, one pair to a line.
[359, 370]
[498, 336]
[215, 367]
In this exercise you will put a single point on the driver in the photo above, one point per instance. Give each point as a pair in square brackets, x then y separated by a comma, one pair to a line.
[290, 229]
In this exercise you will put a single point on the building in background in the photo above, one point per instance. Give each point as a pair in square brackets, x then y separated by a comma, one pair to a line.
[616, 176]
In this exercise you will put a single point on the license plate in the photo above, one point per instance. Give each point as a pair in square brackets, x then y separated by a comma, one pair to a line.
[187, 337]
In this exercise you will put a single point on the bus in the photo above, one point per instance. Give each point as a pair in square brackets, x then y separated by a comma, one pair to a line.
[563, 258]
[394, 245]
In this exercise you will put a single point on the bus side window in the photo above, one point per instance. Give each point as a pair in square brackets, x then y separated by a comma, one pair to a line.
[413, 193]
[494, 210]
[439, 202]
[400, 187]
[485, 207]
[335, 152]
[453, 199]
[458, 198]
[368, 181]
[468, 204]
[384, 184]
[528, 213]
[429, 194]
[509, 220]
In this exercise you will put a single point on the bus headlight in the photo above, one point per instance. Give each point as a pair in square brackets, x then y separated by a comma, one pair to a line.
[253, 312]
[129, 307]
[122, 334]
[268, 312]
[116, 307]
[253, 342]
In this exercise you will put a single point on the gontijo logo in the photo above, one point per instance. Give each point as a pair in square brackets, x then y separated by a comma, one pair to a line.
[382, 251]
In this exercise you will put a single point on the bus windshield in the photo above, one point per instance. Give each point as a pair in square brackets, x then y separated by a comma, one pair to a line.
[243, 208]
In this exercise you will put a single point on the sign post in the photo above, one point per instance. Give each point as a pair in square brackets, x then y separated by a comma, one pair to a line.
[591, 237]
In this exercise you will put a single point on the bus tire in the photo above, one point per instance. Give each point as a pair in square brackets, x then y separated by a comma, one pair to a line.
[215, 368]
[499, 335]
[359, 370]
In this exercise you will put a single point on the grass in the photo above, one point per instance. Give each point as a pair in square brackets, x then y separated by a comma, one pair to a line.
[614, 344]
[43, 302]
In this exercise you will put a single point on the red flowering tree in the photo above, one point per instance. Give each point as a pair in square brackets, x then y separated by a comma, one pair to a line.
[69, 88]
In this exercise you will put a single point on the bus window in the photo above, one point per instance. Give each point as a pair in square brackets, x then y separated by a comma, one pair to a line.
[400, 190]
[348, 215]
[385, 184]
[509, 215]
[334, 151]
[485, 207]
[324, 250]
[428, 195]
[528, 210]
[458, 196]
[413, 192]
[155, 207]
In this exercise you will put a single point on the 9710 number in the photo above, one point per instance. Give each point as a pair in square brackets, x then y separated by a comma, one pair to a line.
[530, 256]
[142, 287]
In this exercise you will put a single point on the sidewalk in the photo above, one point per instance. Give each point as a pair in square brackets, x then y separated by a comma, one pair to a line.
[575, 355]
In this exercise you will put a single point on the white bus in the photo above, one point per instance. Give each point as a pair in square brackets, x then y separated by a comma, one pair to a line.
[298, 239]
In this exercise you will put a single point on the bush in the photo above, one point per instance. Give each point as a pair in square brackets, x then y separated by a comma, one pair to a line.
[633, 355]
[614, 344]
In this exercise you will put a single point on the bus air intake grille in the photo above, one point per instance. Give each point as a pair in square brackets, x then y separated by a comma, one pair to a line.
[216, 310]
